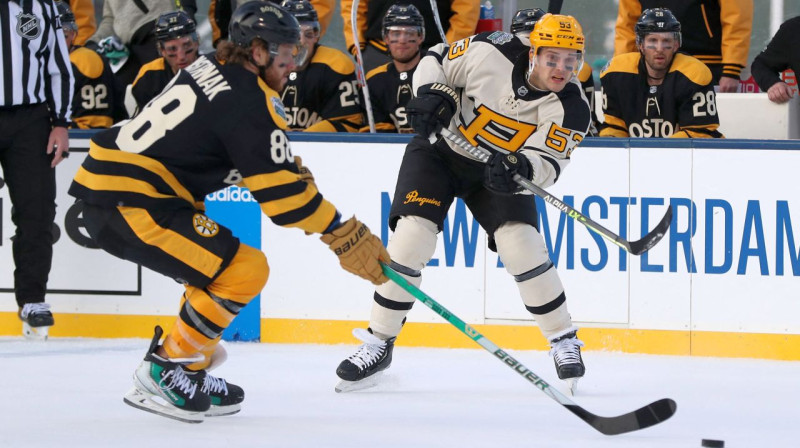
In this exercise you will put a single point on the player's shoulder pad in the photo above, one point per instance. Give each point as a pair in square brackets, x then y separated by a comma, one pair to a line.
[87, 61]
[274, 104]
[335, 59]
[624, 63]
[508, 44]
[586, 72]
[152, 66]
[378, 70]
[577, 113]
[692, 68]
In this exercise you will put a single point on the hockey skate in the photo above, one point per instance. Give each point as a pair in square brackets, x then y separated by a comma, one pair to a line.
[226, 398]
[566, 352]
[36, 320]
[362, 370]
[162, 387]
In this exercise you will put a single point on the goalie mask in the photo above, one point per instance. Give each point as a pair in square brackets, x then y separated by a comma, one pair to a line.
[270, 23]
[557, 31]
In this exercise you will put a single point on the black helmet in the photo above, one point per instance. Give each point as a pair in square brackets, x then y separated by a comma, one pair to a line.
[66, 17]
[173, 25]
[303, 11]
[263, 20]
[525, 19]
[657, 20]
[403, 15]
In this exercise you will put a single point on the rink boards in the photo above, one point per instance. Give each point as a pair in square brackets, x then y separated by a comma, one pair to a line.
[722, 282]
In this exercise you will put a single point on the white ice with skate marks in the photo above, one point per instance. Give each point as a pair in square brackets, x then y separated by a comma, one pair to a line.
[428, 398]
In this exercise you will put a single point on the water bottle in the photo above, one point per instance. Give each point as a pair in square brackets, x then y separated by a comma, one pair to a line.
[487, 10]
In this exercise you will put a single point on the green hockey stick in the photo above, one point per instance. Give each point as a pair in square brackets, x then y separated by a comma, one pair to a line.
[645, 417]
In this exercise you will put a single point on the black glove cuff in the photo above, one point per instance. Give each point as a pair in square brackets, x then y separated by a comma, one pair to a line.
[441, 90]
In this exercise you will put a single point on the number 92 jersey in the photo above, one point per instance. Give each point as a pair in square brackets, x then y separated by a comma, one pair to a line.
[684, 105]
[212, 127]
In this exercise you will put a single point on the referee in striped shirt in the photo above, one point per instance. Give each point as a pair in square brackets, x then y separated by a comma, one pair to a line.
[36, 87]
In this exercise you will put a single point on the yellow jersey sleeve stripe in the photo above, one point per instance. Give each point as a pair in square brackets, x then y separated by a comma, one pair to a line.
[110, 155]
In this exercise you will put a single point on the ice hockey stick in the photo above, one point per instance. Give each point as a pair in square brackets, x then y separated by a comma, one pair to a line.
[652, 414]
[634, 247]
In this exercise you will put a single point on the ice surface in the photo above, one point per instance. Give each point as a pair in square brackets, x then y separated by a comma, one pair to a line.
[68, 392]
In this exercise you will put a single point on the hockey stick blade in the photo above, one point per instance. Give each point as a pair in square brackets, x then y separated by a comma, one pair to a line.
[645, 417]
[635, 247]
[651, 239]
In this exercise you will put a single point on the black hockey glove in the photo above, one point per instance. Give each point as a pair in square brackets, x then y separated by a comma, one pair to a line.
[432, 108]
[500, 171]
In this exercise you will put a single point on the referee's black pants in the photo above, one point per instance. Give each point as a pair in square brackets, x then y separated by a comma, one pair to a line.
[31, 183]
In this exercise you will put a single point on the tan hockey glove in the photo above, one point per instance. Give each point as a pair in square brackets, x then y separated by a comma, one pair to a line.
[305, 173]
[359, 251]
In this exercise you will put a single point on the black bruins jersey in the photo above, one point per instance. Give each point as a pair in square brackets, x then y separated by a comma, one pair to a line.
[684, 105]
[93, 101]
[214, 126]
[151, 80]
[498, 110]
[389, 92]
[324, 97]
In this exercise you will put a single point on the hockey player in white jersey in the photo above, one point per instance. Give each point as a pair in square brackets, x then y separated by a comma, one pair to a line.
[522, 103]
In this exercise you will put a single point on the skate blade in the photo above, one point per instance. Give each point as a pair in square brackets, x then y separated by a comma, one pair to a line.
[366, 383]
[34, 333]
[220, 411]
[572, 385]
[145, 402]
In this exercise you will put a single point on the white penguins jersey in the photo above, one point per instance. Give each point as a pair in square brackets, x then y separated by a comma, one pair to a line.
[499, 109]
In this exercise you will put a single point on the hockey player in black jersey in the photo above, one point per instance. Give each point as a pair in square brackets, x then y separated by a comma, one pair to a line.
[499, 94]
[178, 45]
[142, 186]
[390, 84]
[95, 99]
[322, 93]
[657, 91]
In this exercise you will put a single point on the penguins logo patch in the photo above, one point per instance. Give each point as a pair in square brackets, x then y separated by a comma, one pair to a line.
[204, 226]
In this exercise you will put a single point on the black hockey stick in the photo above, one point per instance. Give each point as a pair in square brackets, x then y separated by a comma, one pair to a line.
[634, 247]
[554, 6]
[652, 414]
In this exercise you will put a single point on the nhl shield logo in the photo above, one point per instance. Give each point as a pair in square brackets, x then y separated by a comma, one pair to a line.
[28, 26]
[204, 226]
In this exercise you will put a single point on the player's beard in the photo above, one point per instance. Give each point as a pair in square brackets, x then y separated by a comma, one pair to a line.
[406, 60]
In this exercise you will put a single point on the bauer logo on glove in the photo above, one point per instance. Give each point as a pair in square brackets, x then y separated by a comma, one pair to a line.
[352, 240]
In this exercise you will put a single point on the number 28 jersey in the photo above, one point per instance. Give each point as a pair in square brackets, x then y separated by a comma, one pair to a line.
[212, 127]
[684, 105]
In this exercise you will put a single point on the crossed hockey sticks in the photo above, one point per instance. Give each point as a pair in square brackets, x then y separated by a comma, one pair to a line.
[652, 414]
[634, 247]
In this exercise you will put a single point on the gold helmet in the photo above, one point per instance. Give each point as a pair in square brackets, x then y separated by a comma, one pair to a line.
[555, 30]
[560, 31]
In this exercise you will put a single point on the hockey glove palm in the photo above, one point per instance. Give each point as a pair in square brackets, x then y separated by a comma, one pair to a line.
[432, 108]
[500, 171]
[359, 251]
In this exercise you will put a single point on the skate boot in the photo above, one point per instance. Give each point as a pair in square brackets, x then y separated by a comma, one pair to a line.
[372, 357]
[162, 387]
[566, 352]
[226, 398]
[36, 320]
